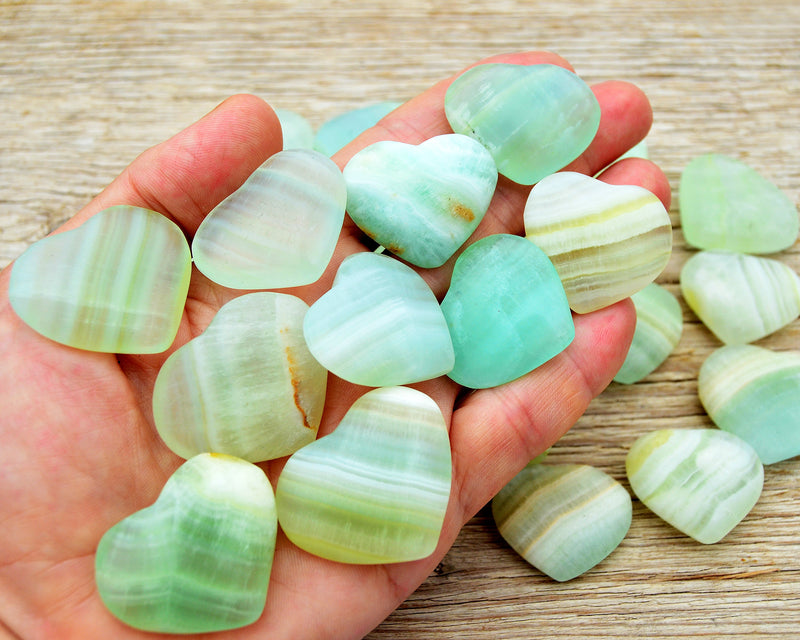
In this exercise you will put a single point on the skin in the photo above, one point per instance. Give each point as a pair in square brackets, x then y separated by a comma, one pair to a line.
[80, 451]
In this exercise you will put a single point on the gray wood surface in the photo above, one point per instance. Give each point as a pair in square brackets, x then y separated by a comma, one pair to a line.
[86, 85]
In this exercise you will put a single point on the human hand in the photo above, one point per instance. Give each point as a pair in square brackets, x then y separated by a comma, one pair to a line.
[80, 451]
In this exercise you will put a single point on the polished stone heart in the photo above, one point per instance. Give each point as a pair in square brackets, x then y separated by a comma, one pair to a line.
[421, 202]
[376, 489]
[199, 558]
[116, 284]
[606, 241]
[247, 386]
[339, 131]
[534, 120]
[279, 228]
[379, 325]
[506, 311]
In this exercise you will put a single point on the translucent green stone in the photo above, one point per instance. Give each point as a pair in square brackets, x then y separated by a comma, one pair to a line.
[727, 205]
[346, 127]
[534, 120]
[754, 393]
[506, 310]
[563, 519]
[376, 489]
[116, 284]
[199, 558]
[297, 131]
[247, 386]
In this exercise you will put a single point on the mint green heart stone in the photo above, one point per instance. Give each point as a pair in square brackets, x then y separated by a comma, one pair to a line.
[338, 132]
[727, 205]
[116, 284]
[376, 489]
[421, 202]
[297, 131]
[506, 310]
[534, 120]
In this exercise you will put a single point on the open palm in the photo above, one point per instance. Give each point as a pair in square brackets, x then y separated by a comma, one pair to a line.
[80, 451]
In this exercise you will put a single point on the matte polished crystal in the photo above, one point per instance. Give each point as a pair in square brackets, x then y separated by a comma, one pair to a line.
[534, 120]
[506, 311]
[421, 202]
[659, 324]
[297, 131]
[116, 284]
[563, 519]
[376, 489]
[754, 393]
[279, 228]
[248, 386]
[701, 481]
[740, 298]
[337, 132]
[727, 205]
[199, 558]
[379, 325]
[606, 241]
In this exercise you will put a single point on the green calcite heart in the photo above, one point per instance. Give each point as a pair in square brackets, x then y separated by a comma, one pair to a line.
[727, 205]
[248, 386]
[337, 132]
[659, 324]
[754, 393]
[506, 310]
[701, 481]
[534, 120]
[199, 558]
[379, 325]
[606, 241]
[563, 519]
[279, 228]
[376, 489]
[297, 131]
[116, 284]
[740, 298]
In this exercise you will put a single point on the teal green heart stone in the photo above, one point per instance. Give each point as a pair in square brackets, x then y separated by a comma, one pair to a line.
[116, 284]
[339, 131]
[727, 205]
[534, 120]
[421, 202]
[376, 489]
[199, 558]
[506, 310]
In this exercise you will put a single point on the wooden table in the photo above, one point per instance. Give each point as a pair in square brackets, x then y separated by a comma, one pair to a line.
[86, 85]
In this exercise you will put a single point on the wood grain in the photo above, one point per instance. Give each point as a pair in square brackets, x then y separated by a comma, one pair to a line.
[87, 85]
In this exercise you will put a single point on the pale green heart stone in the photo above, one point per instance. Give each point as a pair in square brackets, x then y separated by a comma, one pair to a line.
[376, 489]
[563, 519]
[727, 205]
[606, 241]
[297, 131]
[534, 120]
[337, 132]
[754, 393]
[506, 311]
[701, 481]
[379, 325]
[659, 324]
[199, 558]
[421, 202]
[740, 298]
[248, 386]
[116, 284]
[279, 229]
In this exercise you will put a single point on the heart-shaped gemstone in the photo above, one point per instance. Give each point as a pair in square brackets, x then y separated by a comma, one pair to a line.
[606, 241]
[755, 393]
[506, 311]
[421, 202]
[279, 228]
[727, 205]
[199, 558]
[376, 489]
[563, 519]
[534, 120]
[379, 325]
[701, 481]
[740, 298]
[116, 284]
[248, 386]
[339, 131]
